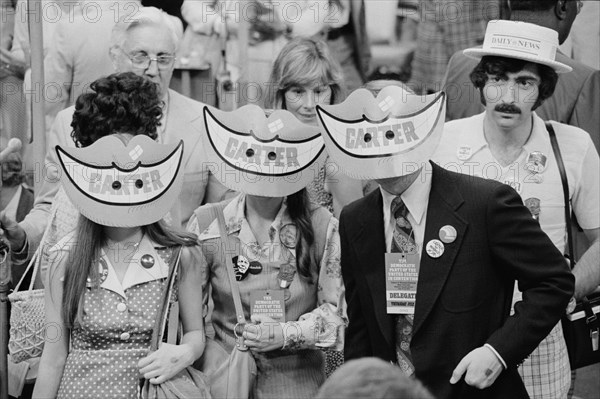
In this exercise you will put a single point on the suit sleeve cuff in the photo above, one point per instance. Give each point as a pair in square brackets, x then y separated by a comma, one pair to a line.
[490, 347]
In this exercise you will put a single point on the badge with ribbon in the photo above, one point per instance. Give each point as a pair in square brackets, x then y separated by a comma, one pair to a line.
[533, 204]
[286, 275]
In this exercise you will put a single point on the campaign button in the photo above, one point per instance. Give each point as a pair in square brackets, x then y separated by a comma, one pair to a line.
[447, 234]
[434, 248]
[147, 261]
[464, 152]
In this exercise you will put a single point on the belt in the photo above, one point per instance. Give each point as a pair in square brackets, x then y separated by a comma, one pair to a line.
[336, 33]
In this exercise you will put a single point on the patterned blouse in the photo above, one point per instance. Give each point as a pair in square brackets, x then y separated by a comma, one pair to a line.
[314, 311]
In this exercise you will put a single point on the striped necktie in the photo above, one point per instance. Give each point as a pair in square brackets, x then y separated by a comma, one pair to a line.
[403, 242]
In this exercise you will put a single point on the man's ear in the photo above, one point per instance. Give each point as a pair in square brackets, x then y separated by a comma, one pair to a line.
[560, 9]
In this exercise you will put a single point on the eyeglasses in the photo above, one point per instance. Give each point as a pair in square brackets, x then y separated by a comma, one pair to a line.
[142, 61]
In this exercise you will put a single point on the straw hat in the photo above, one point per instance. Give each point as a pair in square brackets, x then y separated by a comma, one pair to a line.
[521, 40]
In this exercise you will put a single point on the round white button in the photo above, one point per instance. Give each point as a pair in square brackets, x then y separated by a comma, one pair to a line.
[121, 307]
[125, 336]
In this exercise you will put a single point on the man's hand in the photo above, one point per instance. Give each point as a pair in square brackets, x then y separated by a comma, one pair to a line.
[480, 367]
[13, 232]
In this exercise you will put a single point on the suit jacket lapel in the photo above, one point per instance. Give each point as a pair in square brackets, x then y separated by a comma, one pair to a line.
[369, 242]
[184, 123]
[444, 200]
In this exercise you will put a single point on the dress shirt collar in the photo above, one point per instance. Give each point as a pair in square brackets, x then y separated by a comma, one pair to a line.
[415, 197]
[474, 139]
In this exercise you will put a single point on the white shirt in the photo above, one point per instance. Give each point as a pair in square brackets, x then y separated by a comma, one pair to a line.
[578, 153]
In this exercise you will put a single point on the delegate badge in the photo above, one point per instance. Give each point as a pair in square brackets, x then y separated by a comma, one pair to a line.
[270, 303]
[402, 275]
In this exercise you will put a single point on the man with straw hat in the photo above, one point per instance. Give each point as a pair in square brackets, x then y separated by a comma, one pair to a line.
[510, 143]
[430, 259]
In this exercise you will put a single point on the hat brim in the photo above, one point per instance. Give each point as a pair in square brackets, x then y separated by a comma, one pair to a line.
[479, 53]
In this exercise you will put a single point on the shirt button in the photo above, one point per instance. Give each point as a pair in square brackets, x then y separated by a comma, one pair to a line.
[121, 307]
[125, 336]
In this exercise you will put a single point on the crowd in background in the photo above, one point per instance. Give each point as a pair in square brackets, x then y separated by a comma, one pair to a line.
[291, 55]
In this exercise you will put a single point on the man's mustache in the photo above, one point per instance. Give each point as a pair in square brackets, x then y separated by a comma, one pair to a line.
[507, 109]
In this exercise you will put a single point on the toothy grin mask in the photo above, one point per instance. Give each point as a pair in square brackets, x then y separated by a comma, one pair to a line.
[270, 157]
[122, 185]
[388, 136]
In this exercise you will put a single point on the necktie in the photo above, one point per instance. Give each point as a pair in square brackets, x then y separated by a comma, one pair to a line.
[403, 242]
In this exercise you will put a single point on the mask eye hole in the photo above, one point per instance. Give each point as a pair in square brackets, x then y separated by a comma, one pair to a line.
[249, 152]
[272, 156]
[368, 137]
[139, 183]
[389, 135]
[116, 185]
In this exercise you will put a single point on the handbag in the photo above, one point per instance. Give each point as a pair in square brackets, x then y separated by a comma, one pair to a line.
[27, 317]
[231, 375]
[581, 327]
[189, 382]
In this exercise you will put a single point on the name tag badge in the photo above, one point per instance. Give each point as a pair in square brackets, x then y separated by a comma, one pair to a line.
[402, 275]
[270, 303]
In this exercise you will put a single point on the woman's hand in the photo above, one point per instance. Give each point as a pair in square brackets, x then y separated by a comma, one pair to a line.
[263, 334]
[166, 362]
[13, 232]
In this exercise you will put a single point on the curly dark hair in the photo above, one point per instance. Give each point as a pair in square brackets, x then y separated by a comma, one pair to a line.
[118, 103]
[492, 65]
[532, 5]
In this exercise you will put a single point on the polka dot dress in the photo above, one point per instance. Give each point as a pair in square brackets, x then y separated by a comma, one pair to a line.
[114, 335]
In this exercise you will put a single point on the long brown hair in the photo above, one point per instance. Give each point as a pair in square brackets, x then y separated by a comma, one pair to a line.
[300, 208]
[83, 259]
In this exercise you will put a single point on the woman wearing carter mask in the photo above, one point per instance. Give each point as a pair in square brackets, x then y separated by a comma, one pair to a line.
[106, 278]
[286, 249]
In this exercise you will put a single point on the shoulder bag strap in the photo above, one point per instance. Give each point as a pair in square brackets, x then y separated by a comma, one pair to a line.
[35, 263]
[163, 310]
[229, 252]
[565, 185]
